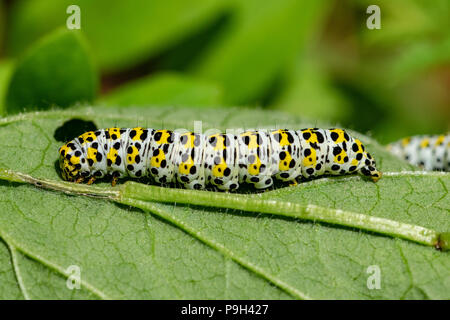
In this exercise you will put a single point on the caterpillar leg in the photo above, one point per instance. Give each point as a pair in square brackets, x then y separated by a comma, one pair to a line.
[91, 180]
[114, 180]
[79, 179]
[293, 183]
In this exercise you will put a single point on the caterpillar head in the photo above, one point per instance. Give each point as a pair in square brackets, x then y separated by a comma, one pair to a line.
[364, 163]
[70, 159]
[370, 169]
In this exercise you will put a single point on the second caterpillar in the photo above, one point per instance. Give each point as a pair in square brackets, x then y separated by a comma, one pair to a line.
[221, 160]
[431, 152]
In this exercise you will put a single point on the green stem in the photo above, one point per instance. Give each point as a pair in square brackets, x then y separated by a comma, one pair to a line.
[62, 186]
[130, 191]
[254, 203]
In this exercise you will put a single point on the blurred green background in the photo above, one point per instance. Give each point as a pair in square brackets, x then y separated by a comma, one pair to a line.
[316, 59]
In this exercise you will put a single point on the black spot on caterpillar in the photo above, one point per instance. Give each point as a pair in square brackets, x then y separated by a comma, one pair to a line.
[220, 160]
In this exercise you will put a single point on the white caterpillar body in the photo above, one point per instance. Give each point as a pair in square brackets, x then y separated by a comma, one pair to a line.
[224, 161]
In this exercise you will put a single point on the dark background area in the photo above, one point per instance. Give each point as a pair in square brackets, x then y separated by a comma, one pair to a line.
[316, 59]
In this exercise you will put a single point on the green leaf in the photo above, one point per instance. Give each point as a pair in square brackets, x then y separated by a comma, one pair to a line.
[419, 58]
[55, 71]
[9, 287]
[6, 68]
[264, 39]
[165, 89]
[309, 93]
[406, 21]
[121, 35]
[2, 26]
[212, 253]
